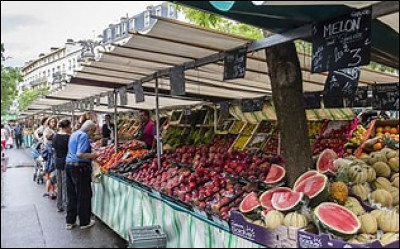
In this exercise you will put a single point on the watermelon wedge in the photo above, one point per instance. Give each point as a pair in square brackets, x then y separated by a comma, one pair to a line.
[305, 176]
[326, 163]
[336, 219]
[266, 197]
[287, 201]
[316, 188]
[275, 174]
[250, 206]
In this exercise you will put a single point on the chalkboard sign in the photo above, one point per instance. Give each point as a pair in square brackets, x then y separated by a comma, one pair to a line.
[91, 104]
[343, 82]
[252, 105]
[177, 81]
[312, 100]
[333, 101]
[224, 106]
[139, 92]
[123, 96]
[342, 42]
[386, 97]
[360, 98]
[98, 100]
[235, 63]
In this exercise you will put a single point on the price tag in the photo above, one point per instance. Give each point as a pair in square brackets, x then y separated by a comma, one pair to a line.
[126, 156]
[235, 64]
[139, 92]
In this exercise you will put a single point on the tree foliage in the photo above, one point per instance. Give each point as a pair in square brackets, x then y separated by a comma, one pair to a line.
[28, 96]
[216, 22]
[9, 81]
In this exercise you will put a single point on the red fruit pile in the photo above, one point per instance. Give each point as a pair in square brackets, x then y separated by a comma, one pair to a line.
[334, 139]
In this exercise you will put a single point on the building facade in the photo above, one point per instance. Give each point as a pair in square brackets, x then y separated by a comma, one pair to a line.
[50, 70]
[116, 33]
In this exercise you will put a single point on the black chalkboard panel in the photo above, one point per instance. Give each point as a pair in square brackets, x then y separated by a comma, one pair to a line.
[139, 92]
[312, 100]
[360, 98]
[177, 83]
[342, 42]
[333, 101]
[386, 97]
[235, 63]
[252, 105]
[224, 106]
[343, 82]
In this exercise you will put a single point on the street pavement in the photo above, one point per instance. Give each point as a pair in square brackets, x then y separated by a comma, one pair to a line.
[29, 220]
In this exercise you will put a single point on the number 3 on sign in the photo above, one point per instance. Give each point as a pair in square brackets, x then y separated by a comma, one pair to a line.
[356, 55]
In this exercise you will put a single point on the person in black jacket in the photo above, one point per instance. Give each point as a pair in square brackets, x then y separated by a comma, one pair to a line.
[60, 146]
[108, 128]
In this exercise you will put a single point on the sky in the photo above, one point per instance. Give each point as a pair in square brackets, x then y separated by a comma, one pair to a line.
[29, 28]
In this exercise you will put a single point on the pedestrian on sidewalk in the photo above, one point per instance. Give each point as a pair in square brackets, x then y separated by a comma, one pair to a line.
[18, 135]
[60, 146]
[4, 138]
[49, 169]
[38, 134]
[79, 177]
[51, 127]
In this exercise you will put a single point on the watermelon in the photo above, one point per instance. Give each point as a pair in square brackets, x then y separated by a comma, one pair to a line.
[287, 201]
[266, 197]
[337, 220]
[316, 188]
[250, 206]
[275, 174]
[326, 163]
[305, 176]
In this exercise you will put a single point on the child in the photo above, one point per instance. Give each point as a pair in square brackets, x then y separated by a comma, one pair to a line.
[49, 167]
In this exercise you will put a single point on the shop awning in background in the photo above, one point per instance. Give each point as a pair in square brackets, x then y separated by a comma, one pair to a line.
[268, 113]
[8, 118]
[282, 16]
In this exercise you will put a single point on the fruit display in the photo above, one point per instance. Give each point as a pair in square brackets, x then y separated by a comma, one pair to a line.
[273, 144]
[387, 131]
[314, 130]
[128, 128]
[237, 127]
[248, 129]
[334, 137]
[357, 139]
[265, 127]
[257, 142]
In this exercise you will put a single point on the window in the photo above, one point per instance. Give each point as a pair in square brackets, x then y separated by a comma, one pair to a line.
[132, 24]
[159, 11]
[109, 34]
[117, 31]
[146, 19]
[69, 65]
[124, 28]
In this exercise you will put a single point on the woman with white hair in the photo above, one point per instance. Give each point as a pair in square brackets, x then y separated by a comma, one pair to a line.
[79, 177]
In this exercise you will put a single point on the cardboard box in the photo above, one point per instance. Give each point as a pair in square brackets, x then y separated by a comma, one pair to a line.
[309, 239]
[282, 237]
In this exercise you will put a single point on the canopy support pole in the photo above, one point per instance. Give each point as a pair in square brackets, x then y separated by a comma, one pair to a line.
[116, 142]
[158, 125]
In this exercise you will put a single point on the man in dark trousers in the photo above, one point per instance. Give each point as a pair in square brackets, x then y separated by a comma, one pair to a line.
[79, 177]
[18, 135]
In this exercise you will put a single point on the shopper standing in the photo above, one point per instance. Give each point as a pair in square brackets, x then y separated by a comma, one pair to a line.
[79, 177]
[18, 135]
[60, 146]
[4, 137]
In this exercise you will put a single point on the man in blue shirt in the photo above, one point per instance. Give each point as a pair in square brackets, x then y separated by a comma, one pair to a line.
[79, 177]
[18, 135]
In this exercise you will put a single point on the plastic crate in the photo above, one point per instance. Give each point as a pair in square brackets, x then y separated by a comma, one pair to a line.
[147, 237]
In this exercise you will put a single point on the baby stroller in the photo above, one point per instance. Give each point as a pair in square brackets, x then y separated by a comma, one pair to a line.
[38, 172]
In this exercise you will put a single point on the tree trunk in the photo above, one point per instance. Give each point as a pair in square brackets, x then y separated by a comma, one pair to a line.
[287, 88]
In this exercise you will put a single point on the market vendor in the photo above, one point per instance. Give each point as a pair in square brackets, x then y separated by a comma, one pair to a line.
[146, 133]
[108, 128]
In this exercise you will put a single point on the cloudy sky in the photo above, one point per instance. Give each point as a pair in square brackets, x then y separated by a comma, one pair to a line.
[31, 28]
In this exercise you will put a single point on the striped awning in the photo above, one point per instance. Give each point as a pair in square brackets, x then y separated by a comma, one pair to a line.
[268, 113]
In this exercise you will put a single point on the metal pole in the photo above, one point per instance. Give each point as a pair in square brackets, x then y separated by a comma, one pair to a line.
[73, 118]
[158, 126]
[115, 122]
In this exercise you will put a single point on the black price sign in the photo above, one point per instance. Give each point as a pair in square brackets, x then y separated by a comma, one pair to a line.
[312, 100]
[342, 42]
[235, 63]
[331, 101]
[386, 97]
[343, 82]
[139, 92]
[177, 81]
[225, 107]
[252, 105]
[111, 100]
[360, 98]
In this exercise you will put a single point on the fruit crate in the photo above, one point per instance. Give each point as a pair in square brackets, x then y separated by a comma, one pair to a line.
[273, 144]
[237, 127]
[240, 142]
[265, 127]
[257, 142]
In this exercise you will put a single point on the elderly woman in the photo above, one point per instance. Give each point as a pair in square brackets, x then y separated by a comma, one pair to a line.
[51, 128]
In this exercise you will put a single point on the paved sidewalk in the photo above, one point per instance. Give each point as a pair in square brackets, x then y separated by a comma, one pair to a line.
[29, 220]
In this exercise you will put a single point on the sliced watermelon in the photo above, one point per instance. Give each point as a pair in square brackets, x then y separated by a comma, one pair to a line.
[275, 174]
[336, 219]
[287, 201]
[266, 197]
[305, 176]
[250, 206]
[326, 161]
[316, 188]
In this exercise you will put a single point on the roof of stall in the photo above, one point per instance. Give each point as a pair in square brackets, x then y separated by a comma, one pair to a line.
[170, 43]
[283, 16]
